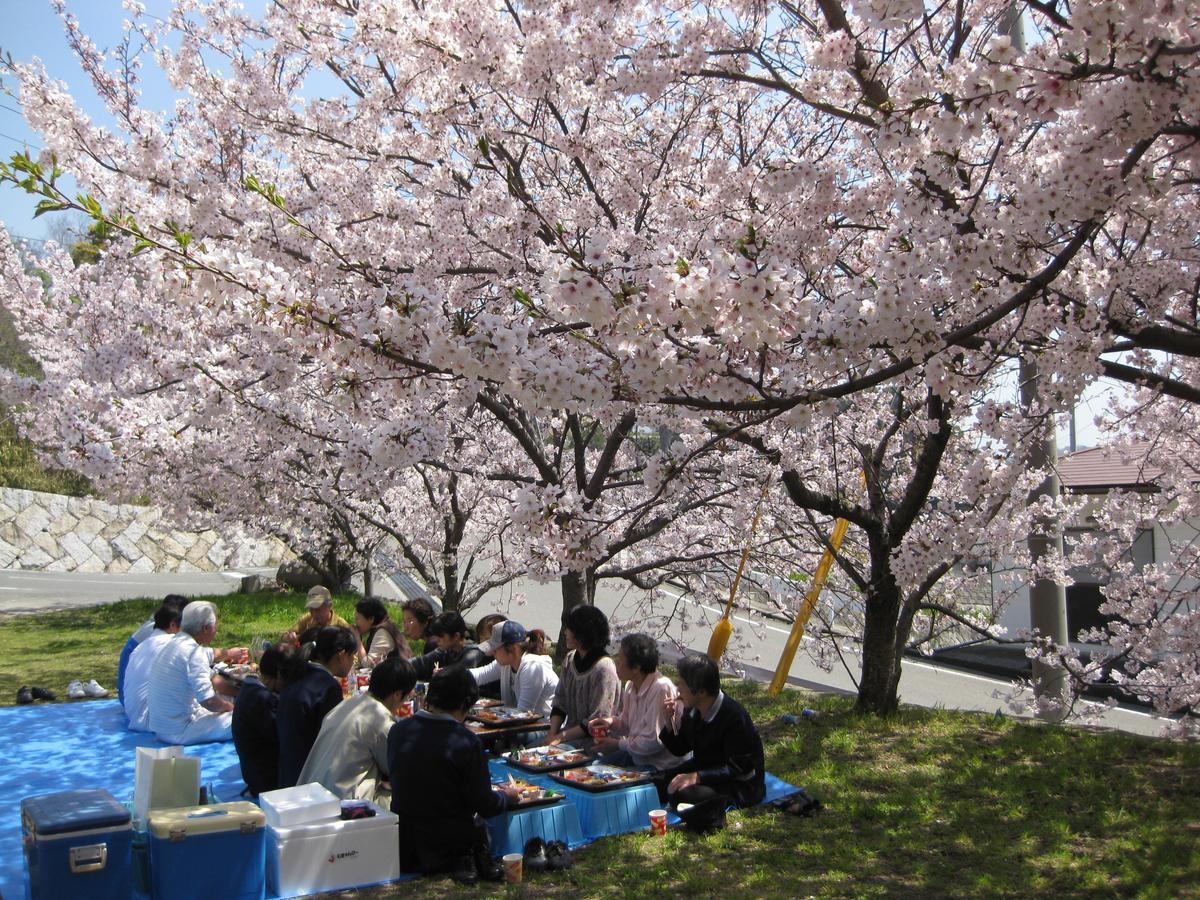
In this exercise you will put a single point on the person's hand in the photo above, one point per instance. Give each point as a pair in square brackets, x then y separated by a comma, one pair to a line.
[671, 708]
[237, 655]
[553, 740]
[608, 745]
[511, 791]
[600, 722]
[682, 781]
[290, 637]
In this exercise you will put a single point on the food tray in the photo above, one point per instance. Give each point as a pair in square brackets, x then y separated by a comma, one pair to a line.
[487, 703]
[502, 716]
[601, 777]
[538, 795]
[548, 759]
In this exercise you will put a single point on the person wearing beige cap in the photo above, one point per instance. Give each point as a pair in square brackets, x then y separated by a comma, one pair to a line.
[319, 615]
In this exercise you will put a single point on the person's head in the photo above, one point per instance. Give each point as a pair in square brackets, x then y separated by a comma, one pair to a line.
[699, 679]
[369, 613]
[417, 616]
[637, 658]
[483, 629]
[279, 666]
[167, 617]
[200, 621]
[510, 641]
[392, 682]
[334, 649]
[320, 605]
[452, 691]
[448, 630]
[178, 600]
[585, 628]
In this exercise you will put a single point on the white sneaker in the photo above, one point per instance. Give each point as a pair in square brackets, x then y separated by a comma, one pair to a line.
[92, 689]
[75, 690]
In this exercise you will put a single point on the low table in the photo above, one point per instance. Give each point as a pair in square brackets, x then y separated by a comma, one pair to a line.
[510, 831]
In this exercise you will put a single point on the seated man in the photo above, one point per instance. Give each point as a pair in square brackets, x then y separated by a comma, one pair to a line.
[144, 631]
[449, 632]
[184, 706]
[255, 733]
[441, 785]
[136, 699]
[726, 767]
[304, 703]
[632, 739]
[350, 755]
[319, 614]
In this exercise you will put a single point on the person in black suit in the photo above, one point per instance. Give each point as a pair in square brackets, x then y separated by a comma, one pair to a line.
[727, 766]
[441, 785]
[449, 631]
[255, 732]
[304, 703]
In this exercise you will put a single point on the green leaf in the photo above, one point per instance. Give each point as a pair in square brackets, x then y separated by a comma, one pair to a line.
[45, 206]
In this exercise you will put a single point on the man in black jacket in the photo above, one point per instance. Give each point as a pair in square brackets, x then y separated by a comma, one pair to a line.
[449, 632]
[441, 786]
[726, 767]
[255, 732]
[304, 703]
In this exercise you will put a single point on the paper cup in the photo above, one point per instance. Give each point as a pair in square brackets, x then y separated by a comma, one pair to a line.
[514, 867]
[658, 821]
[599, 732]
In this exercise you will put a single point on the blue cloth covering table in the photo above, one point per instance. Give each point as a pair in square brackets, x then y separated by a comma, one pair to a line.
[510, 831]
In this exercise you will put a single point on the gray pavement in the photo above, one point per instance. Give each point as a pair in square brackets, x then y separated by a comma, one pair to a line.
[24, 591]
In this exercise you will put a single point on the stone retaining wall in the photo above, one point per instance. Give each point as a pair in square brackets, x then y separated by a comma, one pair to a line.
[53, 533]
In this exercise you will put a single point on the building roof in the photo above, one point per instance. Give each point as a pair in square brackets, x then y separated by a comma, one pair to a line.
[1102, 468]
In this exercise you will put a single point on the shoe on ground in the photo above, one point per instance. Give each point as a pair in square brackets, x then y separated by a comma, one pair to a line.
[535, 855]
[24, 695]
[488, 868]
[75, 690]
[93, 689]
[464, 871]
[41, 693]
[558, 857]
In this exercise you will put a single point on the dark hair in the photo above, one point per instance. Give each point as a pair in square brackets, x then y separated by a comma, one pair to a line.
[331, 641]
[281, 661]
[535, 642]
[448, 623]
[420, 608]
[372, 608]
[489, 622]
[168, 614]
[700, 674]
[178, 599]
[590, 627]
[640, 652]
[452, 690]
[392, 675]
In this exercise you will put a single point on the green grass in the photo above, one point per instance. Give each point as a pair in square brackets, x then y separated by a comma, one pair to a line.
[929, 803]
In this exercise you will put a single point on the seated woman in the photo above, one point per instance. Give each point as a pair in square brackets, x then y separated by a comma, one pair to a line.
[632, 739]
[255, 735]
[350, 756]
[589, 684]
[483, 632]
[527, 678]
[418, 613]
[379, 638]
[449, 632]
[441, 785]
[726, 767]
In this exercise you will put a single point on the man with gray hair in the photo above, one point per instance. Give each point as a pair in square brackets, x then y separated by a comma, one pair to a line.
[184, 705]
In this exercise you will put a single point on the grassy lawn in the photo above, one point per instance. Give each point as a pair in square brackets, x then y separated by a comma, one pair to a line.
[927, 804]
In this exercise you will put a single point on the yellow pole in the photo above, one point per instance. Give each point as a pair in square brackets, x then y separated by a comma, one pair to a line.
[724, 627]
[806, 608]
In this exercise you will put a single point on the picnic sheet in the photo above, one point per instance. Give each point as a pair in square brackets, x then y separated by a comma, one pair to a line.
[64, 746]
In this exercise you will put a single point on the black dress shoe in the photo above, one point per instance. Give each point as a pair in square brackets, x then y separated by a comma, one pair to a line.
[40, 693]
[24, 695]
[535, 855]
[558, 857]
[488, 868]
[464, 871]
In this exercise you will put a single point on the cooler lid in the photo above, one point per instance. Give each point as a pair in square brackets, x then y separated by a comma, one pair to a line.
[383, 819]
[73, 811]
[185, 821]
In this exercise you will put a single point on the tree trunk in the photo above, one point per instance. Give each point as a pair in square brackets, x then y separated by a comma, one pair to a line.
[578, 589]
[878, 689]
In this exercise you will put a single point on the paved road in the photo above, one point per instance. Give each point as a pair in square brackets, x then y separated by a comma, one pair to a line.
[539, 606]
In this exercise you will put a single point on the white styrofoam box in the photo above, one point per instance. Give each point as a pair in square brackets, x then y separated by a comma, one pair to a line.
[333, 854]
[296, 805]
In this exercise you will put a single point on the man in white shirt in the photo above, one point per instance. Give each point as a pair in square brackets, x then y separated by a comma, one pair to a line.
[184, 705]
[141, 664]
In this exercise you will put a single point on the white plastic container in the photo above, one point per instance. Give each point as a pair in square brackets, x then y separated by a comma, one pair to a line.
[298, 805]
[333, 854]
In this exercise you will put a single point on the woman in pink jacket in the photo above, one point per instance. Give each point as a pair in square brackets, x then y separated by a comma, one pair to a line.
[632, 740]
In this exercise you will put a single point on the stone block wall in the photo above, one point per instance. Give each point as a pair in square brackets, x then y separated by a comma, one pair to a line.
[53, 533]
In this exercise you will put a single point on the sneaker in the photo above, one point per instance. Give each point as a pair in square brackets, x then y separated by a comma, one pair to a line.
[75, 690]
[487, 867]
[464, 871]
[24, 695]
[93, 689]
[558, 857]
[41, 693]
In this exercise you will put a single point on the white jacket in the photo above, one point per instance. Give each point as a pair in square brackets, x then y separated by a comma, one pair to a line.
[531, 687]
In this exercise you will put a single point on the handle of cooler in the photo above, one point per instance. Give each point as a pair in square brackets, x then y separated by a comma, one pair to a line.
[88, 858]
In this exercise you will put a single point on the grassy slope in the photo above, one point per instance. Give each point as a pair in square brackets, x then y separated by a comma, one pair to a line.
[928, 804]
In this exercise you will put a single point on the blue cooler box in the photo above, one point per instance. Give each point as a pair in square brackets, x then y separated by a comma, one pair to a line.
[77, 844]
[215, 851]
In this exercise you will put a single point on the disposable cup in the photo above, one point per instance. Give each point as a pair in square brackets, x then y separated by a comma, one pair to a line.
[514, 867]
[599, 732]
[658, 821]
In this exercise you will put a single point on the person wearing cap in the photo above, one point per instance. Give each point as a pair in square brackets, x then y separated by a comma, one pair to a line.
[318, 614]
[527, 678]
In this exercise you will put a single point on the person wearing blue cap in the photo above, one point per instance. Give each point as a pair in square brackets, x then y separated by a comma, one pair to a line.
[527, 678]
